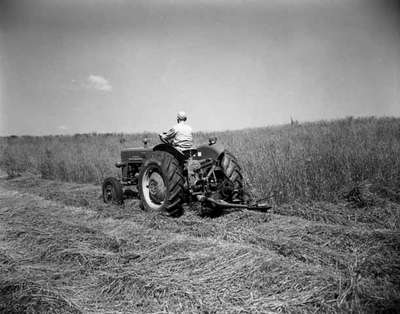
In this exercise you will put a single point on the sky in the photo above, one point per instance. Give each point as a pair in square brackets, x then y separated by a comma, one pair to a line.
[82, 66]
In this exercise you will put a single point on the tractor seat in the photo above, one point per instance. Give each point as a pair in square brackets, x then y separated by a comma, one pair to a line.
[190, 152]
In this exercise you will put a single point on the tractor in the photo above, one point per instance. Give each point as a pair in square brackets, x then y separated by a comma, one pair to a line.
[166, 178]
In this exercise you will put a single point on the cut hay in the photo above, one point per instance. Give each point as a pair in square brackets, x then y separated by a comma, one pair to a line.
[221, 279]
[5, 259]
[84, 256]
[22, 296]
[334, 258]
[361, 196]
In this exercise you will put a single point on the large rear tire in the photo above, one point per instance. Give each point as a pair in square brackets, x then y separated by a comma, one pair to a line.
[233, 172]
[161, 184]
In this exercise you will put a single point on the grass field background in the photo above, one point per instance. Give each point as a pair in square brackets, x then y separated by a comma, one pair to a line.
[298, 162]
[330, 244]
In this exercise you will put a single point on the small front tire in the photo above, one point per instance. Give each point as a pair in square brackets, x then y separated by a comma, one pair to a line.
[112, 191]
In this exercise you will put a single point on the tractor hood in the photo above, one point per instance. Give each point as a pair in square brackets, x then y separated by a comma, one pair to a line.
[135, 153]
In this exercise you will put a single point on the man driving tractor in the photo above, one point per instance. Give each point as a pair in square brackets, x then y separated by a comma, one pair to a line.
[168, 176]
[180, 135]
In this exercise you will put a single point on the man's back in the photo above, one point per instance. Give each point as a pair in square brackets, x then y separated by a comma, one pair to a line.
[183, 136]
[180, 136]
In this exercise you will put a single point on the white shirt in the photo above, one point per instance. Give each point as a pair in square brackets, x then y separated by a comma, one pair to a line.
[180, 136]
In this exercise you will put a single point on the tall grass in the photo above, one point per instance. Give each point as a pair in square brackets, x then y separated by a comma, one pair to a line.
[310, 161]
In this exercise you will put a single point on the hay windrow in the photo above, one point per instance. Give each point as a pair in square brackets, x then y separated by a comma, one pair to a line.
[23, 296]
[6, 259]
[239, 277]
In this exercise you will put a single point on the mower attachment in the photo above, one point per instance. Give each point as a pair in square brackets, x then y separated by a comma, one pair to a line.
[222, 204]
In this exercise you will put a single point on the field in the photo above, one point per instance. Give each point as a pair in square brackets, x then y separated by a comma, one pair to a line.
[330, 244]
[299, 162]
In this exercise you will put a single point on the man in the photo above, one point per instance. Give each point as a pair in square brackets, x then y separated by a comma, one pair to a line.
[180, 136]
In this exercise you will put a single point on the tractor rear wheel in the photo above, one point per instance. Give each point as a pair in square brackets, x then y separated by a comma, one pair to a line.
[161, 184]
[233, 173]
[112, 191]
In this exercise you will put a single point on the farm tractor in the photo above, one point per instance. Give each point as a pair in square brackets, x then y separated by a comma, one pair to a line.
[166, 178]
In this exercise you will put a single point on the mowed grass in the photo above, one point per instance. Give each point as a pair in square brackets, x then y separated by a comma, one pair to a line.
[299, 162]
[62, 250]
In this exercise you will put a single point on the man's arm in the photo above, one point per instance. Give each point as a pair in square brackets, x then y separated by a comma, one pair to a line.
[167, 136]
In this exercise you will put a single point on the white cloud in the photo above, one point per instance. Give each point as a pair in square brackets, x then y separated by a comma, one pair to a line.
[98, 82]
[63, 127]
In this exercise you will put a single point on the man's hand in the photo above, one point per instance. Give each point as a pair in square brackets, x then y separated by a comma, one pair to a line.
[162, 137]
[167, 137]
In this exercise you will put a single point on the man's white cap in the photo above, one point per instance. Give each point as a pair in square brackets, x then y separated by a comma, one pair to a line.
[181, 115]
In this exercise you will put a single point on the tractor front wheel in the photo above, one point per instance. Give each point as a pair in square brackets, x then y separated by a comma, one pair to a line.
[112, 191]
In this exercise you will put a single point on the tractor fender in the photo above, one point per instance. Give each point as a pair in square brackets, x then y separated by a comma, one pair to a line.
[171, 150]
[215, 151]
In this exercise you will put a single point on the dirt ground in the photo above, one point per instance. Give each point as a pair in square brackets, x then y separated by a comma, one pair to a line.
[63, 251]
